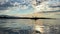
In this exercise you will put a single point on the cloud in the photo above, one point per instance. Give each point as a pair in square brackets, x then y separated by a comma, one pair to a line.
[10, 6]
[5, 5]
[13, 3]
[55, 5]
[47, 6]
[2, 0]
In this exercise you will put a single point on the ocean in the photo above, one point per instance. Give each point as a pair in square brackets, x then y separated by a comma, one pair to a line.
[26, 26]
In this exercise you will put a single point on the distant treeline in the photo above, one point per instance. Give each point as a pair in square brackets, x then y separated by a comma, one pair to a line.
[24, 17]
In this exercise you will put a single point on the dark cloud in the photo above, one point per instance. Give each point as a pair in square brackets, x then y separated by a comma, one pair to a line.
[54, 6]
[11, 3]
[3, 8]
[50, 11]
[5, 5]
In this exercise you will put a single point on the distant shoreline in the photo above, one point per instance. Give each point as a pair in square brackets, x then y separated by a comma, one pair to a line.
[25, 18]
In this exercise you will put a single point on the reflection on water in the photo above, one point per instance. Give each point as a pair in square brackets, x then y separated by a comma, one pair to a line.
[26, 26]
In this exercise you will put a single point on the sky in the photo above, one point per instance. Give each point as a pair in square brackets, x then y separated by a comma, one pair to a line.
[22, 7]
[12, 7]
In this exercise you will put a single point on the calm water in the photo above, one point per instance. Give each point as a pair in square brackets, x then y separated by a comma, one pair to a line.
[26, 25]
